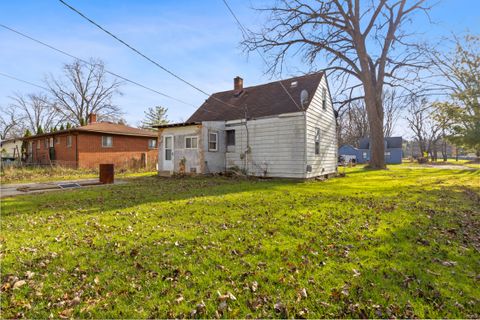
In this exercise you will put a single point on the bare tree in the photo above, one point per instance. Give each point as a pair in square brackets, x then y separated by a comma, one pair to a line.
[354, 125]
[362, 40]
[11, 124]
[37, 111]
[84, 90]
[427, 129]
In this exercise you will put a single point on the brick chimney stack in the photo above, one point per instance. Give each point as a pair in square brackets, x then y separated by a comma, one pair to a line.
[237, 83]
[92, 117]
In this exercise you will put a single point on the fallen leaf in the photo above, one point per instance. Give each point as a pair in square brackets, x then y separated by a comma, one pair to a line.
[18, 284]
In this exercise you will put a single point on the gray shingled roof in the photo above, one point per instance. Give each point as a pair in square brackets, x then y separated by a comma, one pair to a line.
[392, 142]
[259, 101]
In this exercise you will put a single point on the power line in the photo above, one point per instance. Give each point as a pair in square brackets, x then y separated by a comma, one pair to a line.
[89, 63]
[244, 35]
[133, 49]
[24, 81]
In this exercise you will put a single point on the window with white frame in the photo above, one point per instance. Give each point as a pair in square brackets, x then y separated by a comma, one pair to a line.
[46, 143]
[324, 98]
[30, 147]
[51, 142]
[365, 155]
[38, 144]
[212, 141]
[191, 142]
[107, 141]
[317, 141]
[152, 144]
[69, 141]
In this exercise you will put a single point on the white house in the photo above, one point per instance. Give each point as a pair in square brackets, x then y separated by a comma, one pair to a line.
[11, 148]
[260, 130]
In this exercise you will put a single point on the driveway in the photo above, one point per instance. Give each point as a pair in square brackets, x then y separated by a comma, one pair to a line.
[10, 190]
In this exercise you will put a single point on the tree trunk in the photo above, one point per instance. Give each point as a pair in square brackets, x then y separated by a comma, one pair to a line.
[375, 120]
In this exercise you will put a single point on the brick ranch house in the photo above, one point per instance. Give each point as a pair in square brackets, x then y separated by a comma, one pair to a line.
[97, 142]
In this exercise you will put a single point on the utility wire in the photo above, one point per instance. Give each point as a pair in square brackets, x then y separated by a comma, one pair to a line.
[133, 49]
[147, 58]
[89, 63]
[244, 35]
[24, 81]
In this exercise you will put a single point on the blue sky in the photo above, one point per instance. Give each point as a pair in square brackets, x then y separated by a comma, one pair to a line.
[197, 39]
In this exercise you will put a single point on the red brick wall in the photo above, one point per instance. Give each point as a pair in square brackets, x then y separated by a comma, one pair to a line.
[126, 151]
[64, 155]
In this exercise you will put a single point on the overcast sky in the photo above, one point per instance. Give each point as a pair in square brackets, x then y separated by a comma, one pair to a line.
[196, 39]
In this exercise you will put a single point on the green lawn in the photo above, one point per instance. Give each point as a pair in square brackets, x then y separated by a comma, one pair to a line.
[393, 243]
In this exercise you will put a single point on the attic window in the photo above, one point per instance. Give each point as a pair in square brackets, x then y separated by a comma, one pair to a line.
[294, 84]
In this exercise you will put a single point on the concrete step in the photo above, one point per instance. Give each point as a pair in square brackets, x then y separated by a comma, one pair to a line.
[164, 173]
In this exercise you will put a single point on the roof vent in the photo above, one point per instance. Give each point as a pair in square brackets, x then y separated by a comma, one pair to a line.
[293, 84]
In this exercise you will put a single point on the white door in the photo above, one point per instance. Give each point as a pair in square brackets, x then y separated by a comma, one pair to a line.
[168, 153]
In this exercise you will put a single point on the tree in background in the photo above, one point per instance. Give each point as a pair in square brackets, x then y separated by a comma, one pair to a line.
[427, 129]
[363, 41]
[37, 111]
[85, 89]
[353, 123]
[11, 123]
[461, 70]
[154, 116]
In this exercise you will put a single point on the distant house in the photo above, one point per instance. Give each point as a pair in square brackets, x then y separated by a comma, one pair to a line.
[260, 130]
[393, 150]
[11, 149]
[97, 142]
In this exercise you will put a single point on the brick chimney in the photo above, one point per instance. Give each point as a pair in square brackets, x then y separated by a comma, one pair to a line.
[237, 83]
[92, 117]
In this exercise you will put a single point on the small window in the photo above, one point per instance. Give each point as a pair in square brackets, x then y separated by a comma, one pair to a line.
[230, 137]
[38, 144]
[30, 147]
[107, 141]
[364, 155]
[317, 140]
[46, 143]
[212, 141]
[152, 143]
[324, 99]
[191, 142]
[69, 141]
[51, 142]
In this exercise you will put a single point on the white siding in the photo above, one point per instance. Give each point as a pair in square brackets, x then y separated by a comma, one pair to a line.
[317, 117]
[214, 160]
[276, 146]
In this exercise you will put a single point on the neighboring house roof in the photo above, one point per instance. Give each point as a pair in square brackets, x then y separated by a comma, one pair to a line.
[105, 127]
[258, 101]
[348, 146]
[392, 143]
[115, 128]
[12, 140]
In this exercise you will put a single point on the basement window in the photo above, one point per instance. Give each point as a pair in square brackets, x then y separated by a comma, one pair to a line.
[230, 137]
[191, 142]
[212, 141]
[152, 143]
[317, 141]
[69, 141]
[107, 141]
